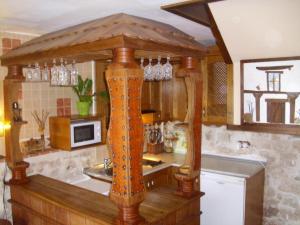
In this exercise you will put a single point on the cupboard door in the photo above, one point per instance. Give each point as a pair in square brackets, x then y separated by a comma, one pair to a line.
[215, 90]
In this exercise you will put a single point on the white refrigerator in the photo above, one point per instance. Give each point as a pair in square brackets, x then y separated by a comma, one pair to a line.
[224, 199]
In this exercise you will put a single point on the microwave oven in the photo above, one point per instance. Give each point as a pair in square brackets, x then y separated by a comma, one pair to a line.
[69, 133]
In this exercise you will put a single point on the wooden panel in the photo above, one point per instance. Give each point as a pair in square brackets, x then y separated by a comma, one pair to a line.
[180, 99]
[254, 199]
[59, 128]
[158, 179]
[151, 95]
[76, 219]
[102, 104]
[276, 110]
[230, 105]
[84, 207]
[166, 100]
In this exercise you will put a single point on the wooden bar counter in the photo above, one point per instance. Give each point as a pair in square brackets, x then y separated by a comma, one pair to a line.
[47, 201]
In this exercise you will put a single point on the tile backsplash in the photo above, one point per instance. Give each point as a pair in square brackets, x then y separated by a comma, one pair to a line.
[39, 96]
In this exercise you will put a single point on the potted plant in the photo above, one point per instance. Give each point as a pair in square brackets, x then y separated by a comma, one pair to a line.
[83, 89]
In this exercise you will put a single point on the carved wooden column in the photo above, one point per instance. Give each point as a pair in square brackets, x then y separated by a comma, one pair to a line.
[125, 135]
[11, 87]
[189, 172]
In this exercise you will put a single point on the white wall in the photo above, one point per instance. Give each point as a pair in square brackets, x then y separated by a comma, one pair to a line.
[257, 29]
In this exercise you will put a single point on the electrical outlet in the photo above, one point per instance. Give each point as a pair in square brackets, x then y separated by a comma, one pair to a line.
[244, 145]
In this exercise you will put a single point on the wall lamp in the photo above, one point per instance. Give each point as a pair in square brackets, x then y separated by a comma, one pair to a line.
[4, 125]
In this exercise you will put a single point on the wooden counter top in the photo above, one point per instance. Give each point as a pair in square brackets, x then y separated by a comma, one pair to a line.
[158, 205]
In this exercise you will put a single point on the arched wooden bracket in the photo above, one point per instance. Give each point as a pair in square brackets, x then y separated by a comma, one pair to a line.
[190, 170]
[19, 173]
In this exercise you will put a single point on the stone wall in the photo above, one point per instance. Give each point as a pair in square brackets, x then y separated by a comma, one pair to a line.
[282, 153]
[60, 165]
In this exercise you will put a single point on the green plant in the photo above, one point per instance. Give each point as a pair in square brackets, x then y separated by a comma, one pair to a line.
[105, 96]
[84, 89]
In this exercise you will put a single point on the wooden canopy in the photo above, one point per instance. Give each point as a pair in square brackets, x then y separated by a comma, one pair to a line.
[95, 40]
[122, 38]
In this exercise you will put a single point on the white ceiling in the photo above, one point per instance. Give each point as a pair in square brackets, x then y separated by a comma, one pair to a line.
[255, 29]
[43, 16]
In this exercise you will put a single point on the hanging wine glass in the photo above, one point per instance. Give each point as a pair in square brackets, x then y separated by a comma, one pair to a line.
[36, 75]
[148, 71]
[167, 69]
[54, 74]
[157, 70]
[45, 73]
[74, 74]
[61, 73]
[29, 73]
[67, 75]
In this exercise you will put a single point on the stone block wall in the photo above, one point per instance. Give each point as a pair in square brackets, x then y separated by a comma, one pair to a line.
[282, 181]
[61, 165]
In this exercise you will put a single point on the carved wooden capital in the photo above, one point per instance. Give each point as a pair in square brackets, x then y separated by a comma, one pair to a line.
[15, 72]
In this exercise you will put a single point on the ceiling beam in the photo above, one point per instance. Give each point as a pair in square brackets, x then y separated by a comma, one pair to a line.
[199, 12]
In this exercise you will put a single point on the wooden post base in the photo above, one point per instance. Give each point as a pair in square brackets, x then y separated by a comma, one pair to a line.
[186, 186]
[130, 216]
[19, 173]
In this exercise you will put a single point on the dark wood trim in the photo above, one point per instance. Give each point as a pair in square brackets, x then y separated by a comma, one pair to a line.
[185, 3]
[270, 59]
[175, 8]
[217, 34]
[242, 92]
[266, 68]
[270, 92]
[267, 128]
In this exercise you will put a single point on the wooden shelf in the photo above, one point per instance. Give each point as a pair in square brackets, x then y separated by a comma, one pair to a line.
[270, 92]
[291, 129]
[20, 122]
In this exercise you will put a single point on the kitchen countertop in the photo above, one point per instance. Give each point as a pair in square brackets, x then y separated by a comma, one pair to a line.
[209, 163]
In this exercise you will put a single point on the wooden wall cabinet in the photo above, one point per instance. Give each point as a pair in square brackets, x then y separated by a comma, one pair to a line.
[217, 95]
